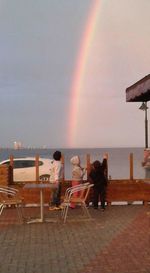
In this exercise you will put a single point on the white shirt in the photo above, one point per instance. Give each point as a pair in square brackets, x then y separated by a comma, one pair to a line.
[56, 171]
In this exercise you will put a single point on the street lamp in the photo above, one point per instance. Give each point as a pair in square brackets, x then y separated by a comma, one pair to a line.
[144, 108]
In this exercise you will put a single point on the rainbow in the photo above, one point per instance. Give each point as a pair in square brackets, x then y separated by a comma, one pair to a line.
[80, 67]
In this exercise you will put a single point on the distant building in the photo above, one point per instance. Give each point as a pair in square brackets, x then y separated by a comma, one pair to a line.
[17, 145]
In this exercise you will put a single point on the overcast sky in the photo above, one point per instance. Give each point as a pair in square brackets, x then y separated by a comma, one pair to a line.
[39, 46]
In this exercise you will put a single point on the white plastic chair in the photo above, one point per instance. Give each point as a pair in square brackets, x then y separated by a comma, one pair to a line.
[83, 191]
[10, 197]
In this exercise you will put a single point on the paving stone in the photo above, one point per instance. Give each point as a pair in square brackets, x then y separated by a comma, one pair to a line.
[116, 241]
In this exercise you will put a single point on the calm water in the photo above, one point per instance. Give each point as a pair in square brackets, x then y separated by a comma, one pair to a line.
[118, 159]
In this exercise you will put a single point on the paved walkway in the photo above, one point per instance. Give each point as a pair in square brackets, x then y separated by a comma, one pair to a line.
[114, 241]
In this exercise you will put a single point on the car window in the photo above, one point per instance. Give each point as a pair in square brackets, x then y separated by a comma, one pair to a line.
[27, 163]
[23, 163]
[17, 164]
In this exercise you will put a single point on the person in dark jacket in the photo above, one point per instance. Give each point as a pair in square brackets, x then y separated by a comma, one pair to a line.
[98, 176]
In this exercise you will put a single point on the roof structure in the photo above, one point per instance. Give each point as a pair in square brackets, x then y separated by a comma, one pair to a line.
[139, 91]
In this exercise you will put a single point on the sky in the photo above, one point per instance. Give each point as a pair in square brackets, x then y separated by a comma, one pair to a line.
[63, 76]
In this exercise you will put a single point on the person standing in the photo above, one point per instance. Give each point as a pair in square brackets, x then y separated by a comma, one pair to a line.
[98, 176]
[56, 177]
[78, 173]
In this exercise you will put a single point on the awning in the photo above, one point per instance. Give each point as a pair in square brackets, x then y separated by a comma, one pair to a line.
[139, 91]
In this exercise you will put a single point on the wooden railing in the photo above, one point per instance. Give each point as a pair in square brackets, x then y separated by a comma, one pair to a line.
[88, 166]
[118, 189]
[128, 190]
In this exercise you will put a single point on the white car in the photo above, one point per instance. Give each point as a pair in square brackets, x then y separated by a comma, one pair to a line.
[24, 168]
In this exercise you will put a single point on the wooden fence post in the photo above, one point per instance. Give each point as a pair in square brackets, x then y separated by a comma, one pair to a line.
[11, 160]
[37, 167]
[63, 162]
[107, 166]
[11, 172]
[131, 166]
[88, 164]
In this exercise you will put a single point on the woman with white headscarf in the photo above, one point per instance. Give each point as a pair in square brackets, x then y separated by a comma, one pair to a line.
[77, 174]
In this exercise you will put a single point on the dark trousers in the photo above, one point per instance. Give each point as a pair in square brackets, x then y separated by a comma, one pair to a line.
[56, 196]
[99, 192]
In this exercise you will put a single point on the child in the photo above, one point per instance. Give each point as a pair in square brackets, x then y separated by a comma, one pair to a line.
[77, 175]
[56, 177]
[99, 179]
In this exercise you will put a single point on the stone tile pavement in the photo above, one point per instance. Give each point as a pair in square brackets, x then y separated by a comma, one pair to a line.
[114, 241]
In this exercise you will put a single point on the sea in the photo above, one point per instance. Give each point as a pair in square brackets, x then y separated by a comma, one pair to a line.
[118, 159]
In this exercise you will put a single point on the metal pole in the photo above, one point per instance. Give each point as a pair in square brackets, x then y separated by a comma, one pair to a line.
[146, 127]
